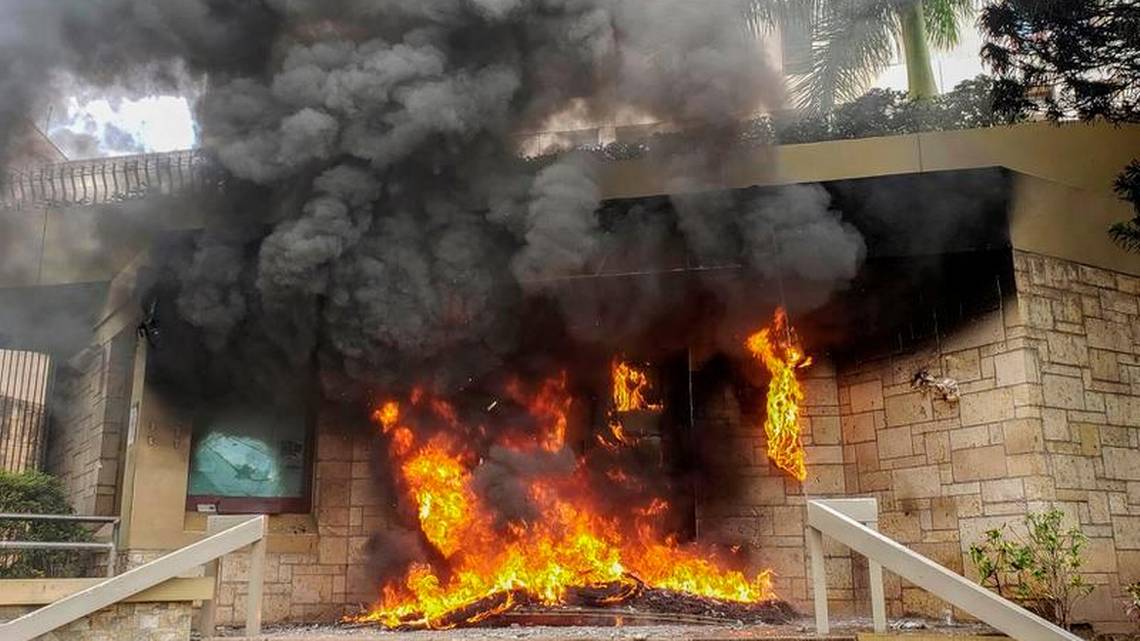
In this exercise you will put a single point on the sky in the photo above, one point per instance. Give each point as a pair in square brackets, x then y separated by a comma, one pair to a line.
[105, 128]
[950, 67]
[166, 123]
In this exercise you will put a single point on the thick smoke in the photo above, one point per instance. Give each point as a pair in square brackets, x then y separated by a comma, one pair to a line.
[127, 47]
[378, 221]
[421, 234]
[562, 228]
[384, 210]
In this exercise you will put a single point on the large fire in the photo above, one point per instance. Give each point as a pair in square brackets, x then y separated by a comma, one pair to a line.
[570, 545]
[778, 348]
[484, 567]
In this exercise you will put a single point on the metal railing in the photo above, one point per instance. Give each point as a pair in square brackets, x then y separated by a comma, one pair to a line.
[26, 380]
[840, 521]
[111, 547]
[233, 535]
[108, 180]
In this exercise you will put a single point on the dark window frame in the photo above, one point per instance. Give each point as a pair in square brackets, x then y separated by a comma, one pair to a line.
[268, 504]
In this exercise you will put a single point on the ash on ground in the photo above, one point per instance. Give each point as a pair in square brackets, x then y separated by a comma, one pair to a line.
[800, 629]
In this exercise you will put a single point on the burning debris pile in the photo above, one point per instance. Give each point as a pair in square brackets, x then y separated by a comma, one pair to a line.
[566, 541]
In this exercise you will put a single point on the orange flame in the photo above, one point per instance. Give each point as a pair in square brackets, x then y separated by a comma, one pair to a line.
[569, 545]
[630, 385]
[438, 482]
[387, 415]
[779, 349]
[550, 406]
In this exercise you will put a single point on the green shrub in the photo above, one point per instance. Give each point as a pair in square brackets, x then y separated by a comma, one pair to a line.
[879, 112]
[37, 493]
[1132, 603]
[1040, 571]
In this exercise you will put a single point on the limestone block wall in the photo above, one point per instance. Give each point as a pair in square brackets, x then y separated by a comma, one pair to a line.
[1048, 417]
[747, 500]
[944, 472]
[318, 565]
[89, 421]
[1082, 325]
[137, 621]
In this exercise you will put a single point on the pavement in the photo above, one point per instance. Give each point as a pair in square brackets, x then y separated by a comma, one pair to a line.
[845, 630]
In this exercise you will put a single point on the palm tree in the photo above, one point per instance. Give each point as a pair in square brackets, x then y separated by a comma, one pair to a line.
[854, 40]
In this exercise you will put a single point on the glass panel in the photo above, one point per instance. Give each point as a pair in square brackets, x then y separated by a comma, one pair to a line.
[250, 453]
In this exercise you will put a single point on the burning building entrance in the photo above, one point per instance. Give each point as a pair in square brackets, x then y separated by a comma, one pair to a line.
[574, 477]
[465, 383]
[384, 496]
[563, 526]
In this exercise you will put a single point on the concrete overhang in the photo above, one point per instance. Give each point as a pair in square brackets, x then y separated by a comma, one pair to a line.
[1063, 200]
[1083, 156]
[1061, 203]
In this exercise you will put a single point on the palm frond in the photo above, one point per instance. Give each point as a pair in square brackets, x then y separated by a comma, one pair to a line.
[764, 15]
[944, 20]
[853, 42]
[1126, 235]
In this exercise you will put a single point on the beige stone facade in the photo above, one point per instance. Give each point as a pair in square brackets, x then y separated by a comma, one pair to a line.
[136, 621]
[1049, 411]
[747, 500]
[1082, 328]
[943, 471]
[1048, 417]
[319, 570]
[88, 428]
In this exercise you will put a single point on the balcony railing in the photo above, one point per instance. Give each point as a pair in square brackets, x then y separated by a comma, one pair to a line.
[111, 547]
[108, 180]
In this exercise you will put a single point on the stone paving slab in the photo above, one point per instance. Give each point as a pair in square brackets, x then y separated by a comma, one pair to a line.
[852, 630]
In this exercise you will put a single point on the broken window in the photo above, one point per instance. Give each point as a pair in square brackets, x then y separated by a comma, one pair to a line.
[250, 459]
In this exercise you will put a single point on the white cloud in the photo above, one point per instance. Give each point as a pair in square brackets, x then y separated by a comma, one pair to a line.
[150, 124]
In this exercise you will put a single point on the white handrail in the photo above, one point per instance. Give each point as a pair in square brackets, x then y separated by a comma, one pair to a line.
[1013, 620]
[250, 531]
[866, 512]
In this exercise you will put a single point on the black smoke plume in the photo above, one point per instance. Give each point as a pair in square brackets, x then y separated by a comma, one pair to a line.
[395, 225]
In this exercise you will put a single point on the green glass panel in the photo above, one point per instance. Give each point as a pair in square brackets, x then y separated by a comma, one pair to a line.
[249, 454]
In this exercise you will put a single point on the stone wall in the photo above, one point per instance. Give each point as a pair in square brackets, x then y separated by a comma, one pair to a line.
[1048, 416]
[89, 422]
[747, 500]
[318, 566]
[942, 471]
[1050, 403]
[1082, 325]
[136, 621]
